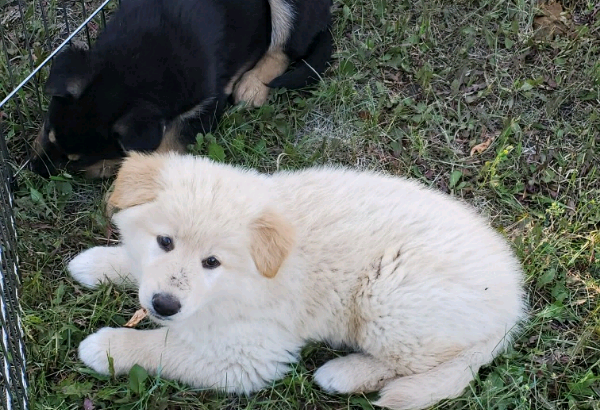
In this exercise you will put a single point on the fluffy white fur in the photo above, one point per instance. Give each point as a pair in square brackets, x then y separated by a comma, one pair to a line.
[414, 281]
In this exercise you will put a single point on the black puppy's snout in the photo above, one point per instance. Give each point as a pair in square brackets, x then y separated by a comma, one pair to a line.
[165, 304]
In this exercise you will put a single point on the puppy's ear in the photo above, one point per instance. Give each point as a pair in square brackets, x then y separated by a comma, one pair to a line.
[70, 73]
[141, 129]
[272, 241]
[137, 182]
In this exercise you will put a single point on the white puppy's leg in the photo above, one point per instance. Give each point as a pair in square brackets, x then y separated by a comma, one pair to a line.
[223, 363]
[127, 347]
[101, 263]
[355, 373]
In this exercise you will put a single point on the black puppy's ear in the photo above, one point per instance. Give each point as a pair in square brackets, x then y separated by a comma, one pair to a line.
[141, 129]
[70, 73]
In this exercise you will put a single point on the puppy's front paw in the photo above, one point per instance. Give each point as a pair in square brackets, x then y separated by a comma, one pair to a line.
[353, 373]
[329, 379]
[251, 90]
[96, 265]
[96, 349]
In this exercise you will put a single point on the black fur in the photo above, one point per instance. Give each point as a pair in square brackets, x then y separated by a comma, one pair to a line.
[156, 61]
[310, 44]
[310, 68]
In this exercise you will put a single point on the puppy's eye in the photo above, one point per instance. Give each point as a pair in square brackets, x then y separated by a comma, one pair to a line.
[165, 243]
[211, 263]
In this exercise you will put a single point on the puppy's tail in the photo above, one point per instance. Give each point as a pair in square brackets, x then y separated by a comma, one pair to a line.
[446, 381]
[309, 70]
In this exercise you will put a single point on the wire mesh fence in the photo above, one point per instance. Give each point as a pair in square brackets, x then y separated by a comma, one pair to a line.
[31, 34]
[13, 382]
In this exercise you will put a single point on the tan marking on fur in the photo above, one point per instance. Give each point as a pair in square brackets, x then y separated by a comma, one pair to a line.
[229, 87]
[74, 157]
[252, 87]
[282, 20]
[171, 140]
[75, 88]
[102, 169]
[38, 143]
[272, 241]
[196, 111]
[137, 181]
[51, 136]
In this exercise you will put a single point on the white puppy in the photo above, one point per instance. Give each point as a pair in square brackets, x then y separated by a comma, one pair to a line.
[242, 269]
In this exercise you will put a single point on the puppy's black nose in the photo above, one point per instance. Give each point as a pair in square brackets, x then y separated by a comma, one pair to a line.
[165, 304]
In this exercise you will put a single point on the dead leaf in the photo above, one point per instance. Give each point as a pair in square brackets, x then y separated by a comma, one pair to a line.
[364, 115]
[552, 21]
[489, 138]
[552, 8]
[137, 317]
[390, 77]
[479, 148]
[474, 88]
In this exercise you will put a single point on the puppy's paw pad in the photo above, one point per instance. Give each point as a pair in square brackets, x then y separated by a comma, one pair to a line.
[251, 90]
[95, 350]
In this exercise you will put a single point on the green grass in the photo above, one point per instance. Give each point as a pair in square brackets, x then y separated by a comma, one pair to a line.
[414, 86]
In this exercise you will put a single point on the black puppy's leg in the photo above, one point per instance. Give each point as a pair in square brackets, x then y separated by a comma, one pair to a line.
[202, 119]
[233, 81]
[252, 87]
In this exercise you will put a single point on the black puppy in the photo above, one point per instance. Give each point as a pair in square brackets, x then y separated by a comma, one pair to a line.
[162, 70]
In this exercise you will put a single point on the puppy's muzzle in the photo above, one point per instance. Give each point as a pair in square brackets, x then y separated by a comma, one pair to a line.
[165, 304]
